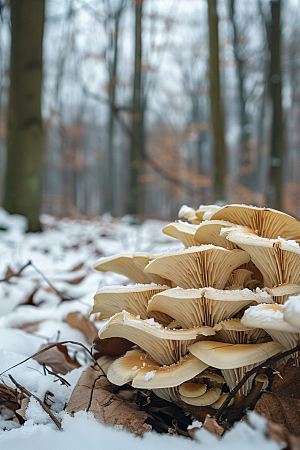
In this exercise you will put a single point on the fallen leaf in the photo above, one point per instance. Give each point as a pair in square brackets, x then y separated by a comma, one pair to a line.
[76, 280]
[93, 393]
[58, 359]
[9, 397]
[212, 426]
[9, 272]
[288, 383]
[30, 327]
[80, 322]
[281, 410]
[114, 346]
[78, 267]
[28, 300]
[280, 434]
[21, 412]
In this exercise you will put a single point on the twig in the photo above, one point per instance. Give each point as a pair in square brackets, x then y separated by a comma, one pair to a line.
[29, 394]
[54, 345]
[16, 274]
[59, 293]
[251, 372]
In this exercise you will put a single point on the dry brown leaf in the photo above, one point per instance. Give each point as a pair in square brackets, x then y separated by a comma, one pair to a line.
[78, 267]
[280, 410]
[93, 393]
[114, 346]
[58, 359]
[9, 272]
[79, 321]
[21, 412]
[28, 300]
[75, 280]
[9, 397]
[212, 425]
[30, 327]
[280, 435]
[288, 383]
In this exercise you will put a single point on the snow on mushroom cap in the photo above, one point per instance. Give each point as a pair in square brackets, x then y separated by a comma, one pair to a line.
[292, 312]
[268, 317]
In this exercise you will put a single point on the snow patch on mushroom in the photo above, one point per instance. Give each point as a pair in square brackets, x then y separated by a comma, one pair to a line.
[263, 313]
[150, 375]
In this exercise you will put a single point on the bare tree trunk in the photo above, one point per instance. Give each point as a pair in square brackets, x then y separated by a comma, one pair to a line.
[25, 139]
[216, 110]
[277, 140]
[135, 203]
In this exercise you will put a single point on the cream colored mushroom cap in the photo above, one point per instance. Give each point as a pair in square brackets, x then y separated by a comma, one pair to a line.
[292, 312]
[208, 398]
[268, 223]
[185, 232]
[268, 317]
[145, 373]
[134, 299]
[164, 345]
[204, 212]
[232, 356]
[206, 306]
[208, 232]
[197, 267]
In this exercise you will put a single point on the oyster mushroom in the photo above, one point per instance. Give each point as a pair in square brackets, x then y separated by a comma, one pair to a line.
[292, 312]
[278, 260]
[234, 360]
[163, 345]
[267, 222]
[203, 307]
[185, 232]
[130, 265]
[198, 267]
[209, 233]
[134, 299]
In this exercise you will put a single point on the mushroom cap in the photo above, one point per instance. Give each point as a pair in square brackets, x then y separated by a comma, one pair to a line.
[221, 400]
[232, 356]
[203, 307]
[268, 223]
[239, 279]
[204, 212]
[208, 232]
[197, 267]
[190, 389]
[130, 265]
[145, 373]
[185, 232]
[278, 260]
[234, 332]
[133, 299]
[292, 312]
[164, 345]
[210, 397]
[267, 317]
[186, 212]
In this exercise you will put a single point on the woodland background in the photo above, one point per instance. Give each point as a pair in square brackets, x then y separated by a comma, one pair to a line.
[140, 106]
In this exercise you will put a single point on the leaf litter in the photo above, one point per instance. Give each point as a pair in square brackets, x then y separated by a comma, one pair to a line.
[64, 383]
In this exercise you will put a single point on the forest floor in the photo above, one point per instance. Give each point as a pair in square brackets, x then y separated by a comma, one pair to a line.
[49, 302]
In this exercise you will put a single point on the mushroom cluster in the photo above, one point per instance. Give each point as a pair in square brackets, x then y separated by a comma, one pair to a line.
[187, 317]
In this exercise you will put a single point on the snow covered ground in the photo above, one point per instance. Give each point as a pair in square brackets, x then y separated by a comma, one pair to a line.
[32, 314]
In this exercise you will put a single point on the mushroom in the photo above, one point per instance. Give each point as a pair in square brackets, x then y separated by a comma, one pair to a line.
[134, 299]
[185, 232]
[203, 307]
[204, 212]
[221, 400]
[208, 232]
[163, 345]
[145, 373]
[190, 389]
[271, 318]
[267, 222]
[130, 265]
[234, 332]
[282, 292]
[292, 312]
[210, 397]
[188, 213]
[198, 267]
[278, 260]
[234, 360]
[238, 279]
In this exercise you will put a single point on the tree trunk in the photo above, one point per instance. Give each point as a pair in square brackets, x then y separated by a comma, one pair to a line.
[25, 139]
[216, 112]
[277, 139]
[135, 203]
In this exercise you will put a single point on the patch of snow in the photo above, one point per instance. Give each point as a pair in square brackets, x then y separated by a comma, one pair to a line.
[150, 375]
[266, 314]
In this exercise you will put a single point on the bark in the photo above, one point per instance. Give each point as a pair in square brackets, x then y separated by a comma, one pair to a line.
[277, 139]
[135, 203]
[25, 139]
[216, 110]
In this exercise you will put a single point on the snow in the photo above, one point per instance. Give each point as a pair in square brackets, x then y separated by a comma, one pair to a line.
[150, 375]
[266, 314]
[61, 247]
[293, 305]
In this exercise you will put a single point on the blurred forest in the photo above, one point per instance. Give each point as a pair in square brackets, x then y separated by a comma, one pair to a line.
[148, 104]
